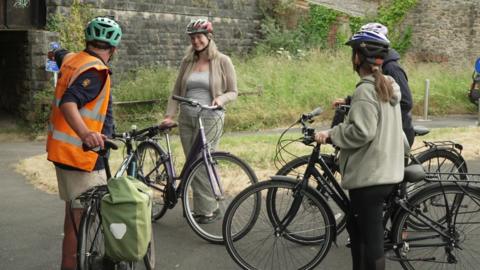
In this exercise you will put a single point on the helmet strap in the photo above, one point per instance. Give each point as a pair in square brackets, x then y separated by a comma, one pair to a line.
[206, 47]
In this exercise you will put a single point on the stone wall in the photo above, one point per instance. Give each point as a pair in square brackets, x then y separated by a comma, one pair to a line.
[154, 30]
[445, 30]
[351, 7]
[154, 34]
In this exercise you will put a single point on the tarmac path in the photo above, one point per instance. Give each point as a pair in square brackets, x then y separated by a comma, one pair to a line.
[31, 222]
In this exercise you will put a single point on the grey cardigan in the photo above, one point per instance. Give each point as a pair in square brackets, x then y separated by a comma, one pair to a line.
[370, 139]
[223, 81]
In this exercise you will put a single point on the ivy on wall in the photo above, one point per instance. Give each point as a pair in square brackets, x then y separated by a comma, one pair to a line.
[285, 28]
[71, 27]
[317, 25]
[392, 15]
[312, 29]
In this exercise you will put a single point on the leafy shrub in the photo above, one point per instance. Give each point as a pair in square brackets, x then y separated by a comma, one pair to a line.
[71, 26]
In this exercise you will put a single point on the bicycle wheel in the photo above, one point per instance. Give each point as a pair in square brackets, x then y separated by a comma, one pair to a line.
[91, 245]
[297, 167]
[427, 248]
[152, 170]
[439, 161]
[267, 245]
[234, 174]
[149, 258]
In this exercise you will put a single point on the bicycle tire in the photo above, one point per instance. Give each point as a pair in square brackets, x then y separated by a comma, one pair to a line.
[235, 175]
[439, 160]
[149, 258]
[266, 246]
[423, 251]
[152, 170]
[91, 245]
[297, 167]
[431, 159]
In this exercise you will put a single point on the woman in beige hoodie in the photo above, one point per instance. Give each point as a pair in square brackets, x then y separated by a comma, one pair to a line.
[371, 149]
[208, 76]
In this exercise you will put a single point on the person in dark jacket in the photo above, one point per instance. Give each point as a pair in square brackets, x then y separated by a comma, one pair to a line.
[392, 67]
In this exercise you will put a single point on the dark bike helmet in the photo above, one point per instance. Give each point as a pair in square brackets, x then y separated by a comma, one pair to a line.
[202, 26]
[372, 45]
[103, 29]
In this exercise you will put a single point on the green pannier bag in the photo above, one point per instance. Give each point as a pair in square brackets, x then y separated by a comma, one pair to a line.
[126, 219]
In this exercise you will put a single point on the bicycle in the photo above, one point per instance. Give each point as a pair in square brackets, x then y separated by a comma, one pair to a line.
[225, 174]
[296, 225]
[437, 156]
[91, 249]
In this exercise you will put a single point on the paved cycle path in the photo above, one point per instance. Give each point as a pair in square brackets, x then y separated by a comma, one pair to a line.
[31, 222]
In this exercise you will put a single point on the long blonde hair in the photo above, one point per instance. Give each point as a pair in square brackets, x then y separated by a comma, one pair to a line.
[192, 56]
[383, 87]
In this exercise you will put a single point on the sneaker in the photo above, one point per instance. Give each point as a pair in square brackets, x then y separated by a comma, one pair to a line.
[204, 219]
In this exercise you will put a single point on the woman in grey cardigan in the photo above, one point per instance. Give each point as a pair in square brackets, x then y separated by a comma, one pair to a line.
[371, 149]
[208, 76]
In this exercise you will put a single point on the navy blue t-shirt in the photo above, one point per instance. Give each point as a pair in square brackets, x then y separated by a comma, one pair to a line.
[85, 88]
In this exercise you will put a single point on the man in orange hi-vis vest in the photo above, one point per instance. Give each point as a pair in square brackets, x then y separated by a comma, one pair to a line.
[81, 114]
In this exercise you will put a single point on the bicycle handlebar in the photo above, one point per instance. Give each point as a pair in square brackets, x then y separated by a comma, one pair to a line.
[308, 116]
[108, 144]
[148, 132]
[195, 103]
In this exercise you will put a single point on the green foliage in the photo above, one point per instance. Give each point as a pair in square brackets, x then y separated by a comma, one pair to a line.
[355, 23]
[391, 15]
[313, 28]
[311, 32]
[316, 26]
[38, 116]
[277, 38]
[144, 84]
[71, 26]
[291, 86]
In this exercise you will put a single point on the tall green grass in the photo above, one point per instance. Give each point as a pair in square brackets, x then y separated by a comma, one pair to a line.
[292, 85]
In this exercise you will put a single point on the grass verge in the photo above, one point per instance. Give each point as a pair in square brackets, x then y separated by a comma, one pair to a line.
[257, 149]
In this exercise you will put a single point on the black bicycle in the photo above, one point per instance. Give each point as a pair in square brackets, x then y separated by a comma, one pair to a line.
[435, 157]
[224, 174]
[296, 225]
[91, 245]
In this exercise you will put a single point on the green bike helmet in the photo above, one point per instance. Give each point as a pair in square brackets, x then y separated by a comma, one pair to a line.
[103, 29]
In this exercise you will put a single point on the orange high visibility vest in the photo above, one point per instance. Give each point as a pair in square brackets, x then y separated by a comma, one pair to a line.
[63, 144]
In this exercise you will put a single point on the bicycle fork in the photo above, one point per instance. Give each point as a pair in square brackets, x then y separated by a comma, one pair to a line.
[292, 212]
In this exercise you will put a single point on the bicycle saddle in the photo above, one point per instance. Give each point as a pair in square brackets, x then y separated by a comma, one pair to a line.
[414, 173]
[420, 130]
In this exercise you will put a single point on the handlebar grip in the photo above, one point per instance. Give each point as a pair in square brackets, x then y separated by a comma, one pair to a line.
[315, 112]
[108, 144]
[179, 98]
[310, 115]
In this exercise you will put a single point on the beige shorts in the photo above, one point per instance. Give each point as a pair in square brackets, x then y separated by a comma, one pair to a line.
[73, 183]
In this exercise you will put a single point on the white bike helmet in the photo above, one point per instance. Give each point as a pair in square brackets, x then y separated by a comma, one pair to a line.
[375, 27]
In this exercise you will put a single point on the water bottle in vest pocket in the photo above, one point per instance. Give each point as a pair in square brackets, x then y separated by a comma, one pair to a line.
[126, 219]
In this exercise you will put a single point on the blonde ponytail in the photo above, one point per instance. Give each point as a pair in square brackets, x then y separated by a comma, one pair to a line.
[383, 87]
